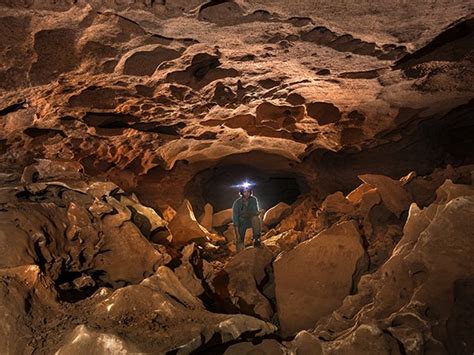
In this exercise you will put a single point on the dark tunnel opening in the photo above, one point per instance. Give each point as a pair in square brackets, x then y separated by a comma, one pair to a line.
[219, 186]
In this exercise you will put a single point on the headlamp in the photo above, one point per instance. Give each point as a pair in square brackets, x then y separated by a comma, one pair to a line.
[245, 185]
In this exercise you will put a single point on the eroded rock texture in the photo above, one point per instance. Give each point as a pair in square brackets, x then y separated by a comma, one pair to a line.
[125, 127]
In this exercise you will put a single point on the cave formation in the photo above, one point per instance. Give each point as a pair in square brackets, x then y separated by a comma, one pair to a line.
[127, 126]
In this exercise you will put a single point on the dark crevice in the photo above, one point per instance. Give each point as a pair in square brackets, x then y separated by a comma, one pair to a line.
[35, 132]
[3, 146]
[68, 292]
[12, 108]
[122, 121]
[153, 127]
[213, 3]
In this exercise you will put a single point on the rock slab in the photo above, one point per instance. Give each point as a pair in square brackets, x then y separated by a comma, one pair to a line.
[313, 279]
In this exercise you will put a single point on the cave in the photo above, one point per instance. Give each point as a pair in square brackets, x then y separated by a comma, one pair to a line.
[272, 178]
[220, 185]
[128, 128]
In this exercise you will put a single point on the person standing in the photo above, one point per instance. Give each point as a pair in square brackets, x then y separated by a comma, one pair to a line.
[245, 215]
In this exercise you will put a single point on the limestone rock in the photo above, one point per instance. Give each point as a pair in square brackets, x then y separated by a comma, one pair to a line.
[166, 281]
[206, 218]
[180, 99]
[16, 246]
[25, 295]
[184, 227]
[83, 340]
[170, 316]
[46, 169]
[237, 283]
[144, 60]
[275, 214]
[284, 241]
[325, 113]
[301, 217]
[129, 257]
[229, 234]
[411, 295]
[266, 347]
[337, 203]
[408, 178]
[305, 343]
[222, 217]
[151, 218]
[355, 195]
[99, 189]
[313, 279]
[366, 339]
[394, 196]
[368, 200]
[185, 272]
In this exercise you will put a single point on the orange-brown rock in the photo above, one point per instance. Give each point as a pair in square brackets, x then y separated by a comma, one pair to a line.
[112, 113]
[275, 214]
[222, 217]
[26, 295]
[185, 228]
[393, 195]
[237, 283]
[420, 290]
[337, 203]
[207, 216]
[313, 279]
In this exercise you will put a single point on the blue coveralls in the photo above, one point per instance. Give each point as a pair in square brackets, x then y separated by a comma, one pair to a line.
[244, 216]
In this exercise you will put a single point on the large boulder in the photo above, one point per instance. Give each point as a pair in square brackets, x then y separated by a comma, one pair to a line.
[128, 256]
[77, 230]
[355, 195]
[275, 214]
[83, 340]
[145, 217]
[26, 296]
[337, 203]
[161, 310]
[206, 219]
[284, 241]
[236, 285]
[394, 196]
[421, 297]
[222, 218]
[313, 279]
[185, 228]
[305, 343]
[185, 271]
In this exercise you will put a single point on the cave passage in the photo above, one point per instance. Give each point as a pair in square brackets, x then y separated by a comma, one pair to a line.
[217, 186]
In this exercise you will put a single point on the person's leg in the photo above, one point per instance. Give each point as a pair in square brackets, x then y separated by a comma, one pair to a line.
[238, 243]
[241, 235]
[257, 230]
